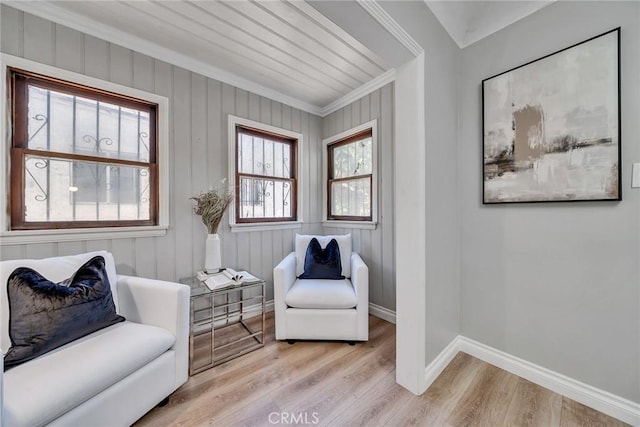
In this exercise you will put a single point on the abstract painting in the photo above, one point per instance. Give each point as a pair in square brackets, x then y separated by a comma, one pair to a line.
[551, 127]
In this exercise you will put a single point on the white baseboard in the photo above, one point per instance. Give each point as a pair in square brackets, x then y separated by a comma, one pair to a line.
[441, 361]
[382, 312]
[603, 401]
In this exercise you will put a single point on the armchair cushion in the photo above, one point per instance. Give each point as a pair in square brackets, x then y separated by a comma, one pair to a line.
[344, 243]
[45, 315]
[321, 293]
[322, 263]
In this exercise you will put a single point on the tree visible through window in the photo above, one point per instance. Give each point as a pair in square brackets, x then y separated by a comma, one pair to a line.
[350, 173]
[265, 176]
[80, 157]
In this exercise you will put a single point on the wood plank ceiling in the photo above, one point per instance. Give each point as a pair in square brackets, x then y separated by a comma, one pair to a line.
[286, 46]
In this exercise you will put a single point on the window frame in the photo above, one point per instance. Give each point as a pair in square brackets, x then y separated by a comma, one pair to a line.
[20, 81]
[281, 135]
[31, 232]
[328, 145]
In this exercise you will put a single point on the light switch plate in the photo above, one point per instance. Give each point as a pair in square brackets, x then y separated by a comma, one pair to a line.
[635, 177]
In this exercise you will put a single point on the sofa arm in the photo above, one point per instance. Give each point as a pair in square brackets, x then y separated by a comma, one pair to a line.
[162, 304]
[360, 281]
[360, 278]
[284, 275]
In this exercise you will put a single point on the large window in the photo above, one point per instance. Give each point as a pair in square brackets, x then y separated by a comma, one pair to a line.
[265, 176]
[350, 192]
[80, 157]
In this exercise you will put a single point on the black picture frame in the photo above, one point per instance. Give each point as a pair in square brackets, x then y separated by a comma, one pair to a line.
[551, 128]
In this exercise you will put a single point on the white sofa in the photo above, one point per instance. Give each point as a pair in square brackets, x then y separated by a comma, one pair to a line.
[320, 309]
[111, 377]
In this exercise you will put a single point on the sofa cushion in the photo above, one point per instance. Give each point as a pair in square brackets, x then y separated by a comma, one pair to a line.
[321, 293]
[44, 315]
[344, 243]
[55, 269]
[44, 388]
[322, 263]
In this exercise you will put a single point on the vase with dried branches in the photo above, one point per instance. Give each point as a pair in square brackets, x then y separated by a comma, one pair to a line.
[211, 206]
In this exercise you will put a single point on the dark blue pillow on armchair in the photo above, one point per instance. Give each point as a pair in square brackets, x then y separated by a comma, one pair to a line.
[322, 263]
[44, 315]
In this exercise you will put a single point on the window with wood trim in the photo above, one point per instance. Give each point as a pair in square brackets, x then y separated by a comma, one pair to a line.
[266, 176]
[80, 157]
[350, 178]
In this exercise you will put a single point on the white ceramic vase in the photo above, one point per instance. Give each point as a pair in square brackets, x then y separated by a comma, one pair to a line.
[212, 259]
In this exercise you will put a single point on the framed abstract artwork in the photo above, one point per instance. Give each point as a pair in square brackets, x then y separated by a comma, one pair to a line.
[551, 127]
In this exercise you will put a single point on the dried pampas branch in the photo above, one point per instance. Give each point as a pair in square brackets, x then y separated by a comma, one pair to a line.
[212, 204]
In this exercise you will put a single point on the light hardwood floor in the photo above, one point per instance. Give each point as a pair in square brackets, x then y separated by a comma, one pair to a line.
[334, 384]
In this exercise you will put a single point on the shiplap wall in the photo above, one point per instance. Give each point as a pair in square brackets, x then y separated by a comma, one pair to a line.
[375, 246]
[198, 152]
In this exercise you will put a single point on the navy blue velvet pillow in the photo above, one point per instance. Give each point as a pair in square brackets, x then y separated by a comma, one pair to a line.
[322, 263]
[44, 315]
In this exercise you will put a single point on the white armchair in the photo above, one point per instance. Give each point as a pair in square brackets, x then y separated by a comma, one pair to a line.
[320, 309]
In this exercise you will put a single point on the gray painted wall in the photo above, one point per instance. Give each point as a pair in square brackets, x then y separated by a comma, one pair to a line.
[441, 168]
[554, 284]
[375, 246]
[198, 151]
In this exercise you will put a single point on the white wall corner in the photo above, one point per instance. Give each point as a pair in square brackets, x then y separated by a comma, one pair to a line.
[410, 226]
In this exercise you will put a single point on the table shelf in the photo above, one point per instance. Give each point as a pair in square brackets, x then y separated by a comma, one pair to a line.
[224, 323]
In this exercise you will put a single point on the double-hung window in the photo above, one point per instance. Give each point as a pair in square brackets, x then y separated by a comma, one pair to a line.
[265, 167]
[350, 170]
[80, 157]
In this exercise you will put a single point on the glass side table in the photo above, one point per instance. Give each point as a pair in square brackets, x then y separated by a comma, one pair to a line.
[224, 323]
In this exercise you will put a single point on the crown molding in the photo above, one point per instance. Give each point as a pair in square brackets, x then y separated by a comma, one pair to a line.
[390, 24]
[372, 85]
[97, 29]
